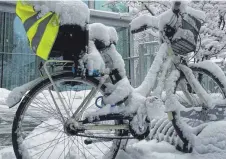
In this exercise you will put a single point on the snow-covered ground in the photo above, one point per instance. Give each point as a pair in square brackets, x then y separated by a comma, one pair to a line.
[210, 144]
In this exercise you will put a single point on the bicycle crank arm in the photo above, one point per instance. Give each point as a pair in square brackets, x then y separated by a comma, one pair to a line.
[93, 141]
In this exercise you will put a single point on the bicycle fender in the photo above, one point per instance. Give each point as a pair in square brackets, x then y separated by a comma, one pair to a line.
[212, 68]
[16, 95]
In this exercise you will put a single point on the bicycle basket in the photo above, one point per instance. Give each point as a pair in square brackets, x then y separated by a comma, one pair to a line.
[185, 39]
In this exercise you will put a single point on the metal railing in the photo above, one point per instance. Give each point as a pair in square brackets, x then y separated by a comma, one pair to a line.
[141, 63]
[17, 69]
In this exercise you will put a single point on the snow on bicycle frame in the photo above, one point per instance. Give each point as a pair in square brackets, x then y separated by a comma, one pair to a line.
[170, 63]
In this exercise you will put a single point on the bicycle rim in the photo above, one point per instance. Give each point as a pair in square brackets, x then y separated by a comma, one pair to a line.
[38, 130]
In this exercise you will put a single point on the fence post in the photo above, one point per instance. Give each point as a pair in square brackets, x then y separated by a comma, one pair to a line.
[141, 63]
[3, 46]
[131, 60]
[2, 69]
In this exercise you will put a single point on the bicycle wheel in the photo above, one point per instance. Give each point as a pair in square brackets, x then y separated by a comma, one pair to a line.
[195, 112]
[38, 130]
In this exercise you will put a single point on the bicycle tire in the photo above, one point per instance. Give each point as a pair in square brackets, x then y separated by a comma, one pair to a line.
[177, 115]
[16, 136]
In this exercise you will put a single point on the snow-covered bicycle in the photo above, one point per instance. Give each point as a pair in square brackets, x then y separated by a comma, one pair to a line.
[59, 118]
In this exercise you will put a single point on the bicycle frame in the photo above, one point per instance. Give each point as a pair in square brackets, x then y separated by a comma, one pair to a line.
[171, 64]
[77, 115]
[45, 66]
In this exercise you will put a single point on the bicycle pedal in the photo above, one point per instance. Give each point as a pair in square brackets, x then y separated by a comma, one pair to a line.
[88, 141]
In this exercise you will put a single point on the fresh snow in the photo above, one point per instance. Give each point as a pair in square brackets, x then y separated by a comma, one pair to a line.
[212, 68]
[4, 94]
[98, 31]
[196, 13]
[70, 12]
[113, 60]
[93, 59]
[210, 144]
[144, 20]
[17, 93]
[121, 90]
[107, 58]
[113, 35]
[149, 81]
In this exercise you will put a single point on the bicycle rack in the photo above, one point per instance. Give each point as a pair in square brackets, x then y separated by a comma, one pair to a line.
[163, 130]
[45, 66]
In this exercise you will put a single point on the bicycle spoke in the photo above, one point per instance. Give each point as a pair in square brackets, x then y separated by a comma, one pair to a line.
[54, 147]
[44, 143]
[44, 150]
[42, 119]
[83, 147]
[63, 150]
[49, 145]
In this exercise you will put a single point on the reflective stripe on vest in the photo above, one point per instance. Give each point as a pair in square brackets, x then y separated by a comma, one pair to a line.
[48, 38]
[41, 31]
[32, 31]
[30, 21]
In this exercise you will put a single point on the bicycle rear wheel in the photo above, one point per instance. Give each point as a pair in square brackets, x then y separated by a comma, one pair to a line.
[195, 113]
[38, 130]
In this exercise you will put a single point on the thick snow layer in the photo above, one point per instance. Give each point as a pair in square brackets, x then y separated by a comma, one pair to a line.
[212, 139]
[122, 89]
[98, 31]
[214, 69]
[172, 104]
[196, 13]
[165, 18]
[158, 90]
[4, 94]
[210, 143]
[184, 33]
[155, 108]
[17, 93]
[149, 81]
[114, 60]
[110, 55]
[70, 12]
[144, 20]
[113, 35]
[93, 59]
[135, 101]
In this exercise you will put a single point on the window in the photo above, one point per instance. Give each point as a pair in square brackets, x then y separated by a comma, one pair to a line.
[86, 2]
[112, 7]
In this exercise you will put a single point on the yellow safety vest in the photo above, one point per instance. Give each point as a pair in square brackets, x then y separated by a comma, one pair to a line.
[41, 31]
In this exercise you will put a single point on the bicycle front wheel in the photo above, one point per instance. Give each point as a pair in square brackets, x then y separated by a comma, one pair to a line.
[38, 130]
[196, 113]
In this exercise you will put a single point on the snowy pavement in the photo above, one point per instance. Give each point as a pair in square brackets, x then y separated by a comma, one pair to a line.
[147, 150]
[210, 144]
[6, 118]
